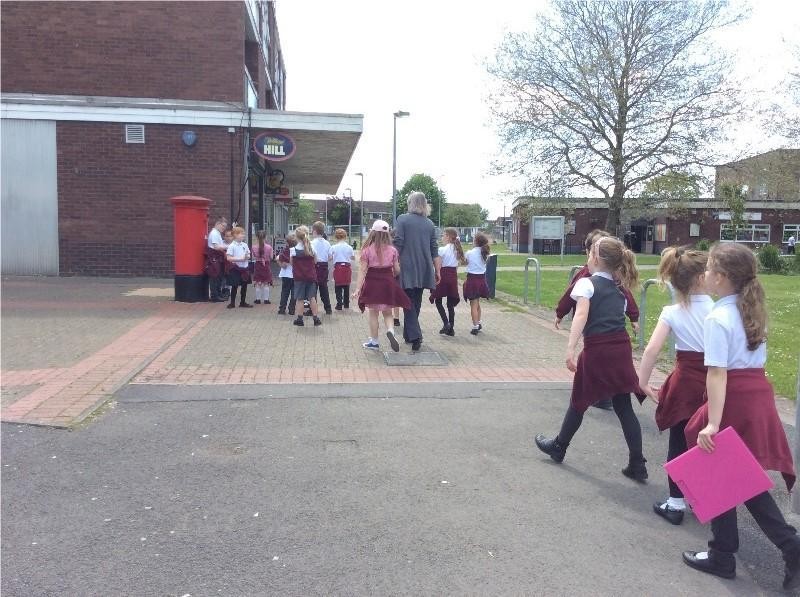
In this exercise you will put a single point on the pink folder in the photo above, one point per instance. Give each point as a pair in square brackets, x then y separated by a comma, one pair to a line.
[714, 483]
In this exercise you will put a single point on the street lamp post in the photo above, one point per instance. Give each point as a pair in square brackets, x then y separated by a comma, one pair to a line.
[349, 212]
[398, 114]
[361, 221]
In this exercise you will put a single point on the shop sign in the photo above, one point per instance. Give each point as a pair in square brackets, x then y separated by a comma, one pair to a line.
[274, 147]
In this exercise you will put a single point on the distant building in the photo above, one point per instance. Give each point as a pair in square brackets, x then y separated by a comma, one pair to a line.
[771, 182]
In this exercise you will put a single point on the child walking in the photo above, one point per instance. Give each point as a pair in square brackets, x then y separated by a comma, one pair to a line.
[740, 396]
[605, 366]
[567, 304]
[287, 276]
[342, 255]
[238, 255]
[302, 259]
[683, 391]
[322, 250]
[262, 271]
[452, 255]
[475, 287]
[377, 288]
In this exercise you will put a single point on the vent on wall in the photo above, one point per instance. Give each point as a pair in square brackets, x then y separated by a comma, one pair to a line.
[134, 133]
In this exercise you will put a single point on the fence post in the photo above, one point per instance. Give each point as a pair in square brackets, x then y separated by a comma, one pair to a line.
[643, 313]
[538, 280]
[491, 274]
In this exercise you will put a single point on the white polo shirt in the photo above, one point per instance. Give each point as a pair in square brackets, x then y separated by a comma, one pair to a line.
[342, 252]
[686, 321]
[322, 249]
[237, 249]
[475, 262]
[215, 238]
[448, 255]
[725, 340]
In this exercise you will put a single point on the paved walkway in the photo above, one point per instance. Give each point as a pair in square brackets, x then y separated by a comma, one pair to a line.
[71, 343]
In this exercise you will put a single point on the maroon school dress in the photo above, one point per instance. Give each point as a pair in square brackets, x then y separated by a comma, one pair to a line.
[381, 288]
[475, 287]
[342, 274]
[262, 272]
[683, 391]
[604, 369]
[750, 410]
[303, 268]
[215, 262]
[447, 286]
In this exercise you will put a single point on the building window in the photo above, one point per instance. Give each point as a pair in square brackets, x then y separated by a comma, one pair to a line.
[251, 94]
[747, 233]
[790, 230]
[762, 190]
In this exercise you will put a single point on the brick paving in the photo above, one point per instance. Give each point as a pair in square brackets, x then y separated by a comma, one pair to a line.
[69, 344]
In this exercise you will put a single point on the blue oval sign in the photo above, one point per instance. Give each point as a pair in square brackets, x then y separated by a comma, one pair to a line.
[274, 147]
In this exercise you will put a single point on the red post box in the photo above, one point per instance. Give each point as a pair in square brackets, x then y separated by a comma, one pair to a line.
[191, 230]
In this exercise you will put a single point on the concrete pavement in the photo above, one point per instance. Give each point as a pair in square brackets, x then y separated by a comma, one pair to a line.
[398, 489]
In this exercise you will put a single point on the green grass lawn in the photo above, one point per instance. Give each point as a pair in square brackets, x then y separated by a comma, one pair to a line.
[783, 302]
[518, 259]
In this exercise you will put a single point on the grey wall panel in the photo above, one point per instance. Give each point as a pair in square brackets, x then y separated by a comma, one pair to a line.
[29, 197]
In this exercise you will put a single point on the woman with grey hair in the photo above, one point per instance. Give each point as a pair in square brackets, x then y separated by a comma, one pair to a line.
[420, 264]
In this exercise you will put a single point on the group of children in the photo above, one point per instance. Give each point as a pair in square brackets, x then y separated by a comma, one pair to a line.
[718, 380]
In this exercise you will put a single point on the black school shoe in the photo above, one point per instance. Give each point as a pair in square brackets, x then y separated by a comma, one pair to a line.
[667, 513]
[551, 447]
[636, 470]
[298, 322]
[708, 565]
[393, 341]
[397, 323]
[257, 302]
[246, 305]
[416, 345]
[338, 307]
[791, 579]
[317, 321]
[231, 306]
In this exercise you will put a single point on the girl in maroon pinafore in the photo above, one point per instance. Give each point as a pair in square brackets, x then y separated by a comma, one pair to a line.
[452, 255]
[377, 288]
[605, 366]
[740, 396]
[683, 391]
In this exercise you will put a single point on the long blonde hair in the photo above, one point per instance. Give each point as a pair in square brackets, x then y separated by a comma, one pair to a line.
[377, 239]
[619, 259]
[681, 267]
[738, 264]
[301, 233]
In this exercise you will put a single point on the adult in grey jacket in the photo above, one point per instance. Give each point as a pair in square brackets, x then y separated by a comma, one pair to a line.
[420, 265]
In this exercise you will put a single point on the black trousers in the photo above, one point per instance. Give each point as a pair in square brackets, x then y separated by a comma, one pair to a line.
[343, 295]
[790, 250]
[411, 329]
[234, 288]
[287, 294]
[215, 287]
[325, 296]
[448, 318]
[677, 446]
[765, 511]
[627, 418]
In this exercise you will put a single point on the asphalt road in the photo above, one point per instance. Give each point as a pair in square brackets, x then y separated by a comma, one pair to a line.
[371, 490]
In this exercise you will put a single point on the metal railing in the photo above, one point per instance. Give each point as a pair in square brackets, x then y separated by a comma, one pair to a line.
[572, 272]
[538, 295]
[643, 313]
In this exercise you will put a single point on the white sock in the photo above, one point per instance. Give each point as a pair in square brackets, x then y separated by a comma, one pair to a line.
[676, 503]
[265, 292]
[475, 326]
[390, 331]
[258, 293]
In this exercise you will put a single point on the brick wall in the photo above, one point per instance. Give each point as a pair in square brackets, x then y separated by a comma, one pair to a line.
[124, 49]
[114, 215]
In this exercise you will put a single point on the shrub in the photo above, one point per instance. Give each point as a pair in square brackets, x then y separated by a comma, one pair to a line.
[794, 264]
[770, 258]
[703, 244]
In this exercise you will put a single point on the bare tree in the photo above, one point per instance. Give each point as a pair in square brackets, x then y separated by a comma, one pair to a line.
[608, 94]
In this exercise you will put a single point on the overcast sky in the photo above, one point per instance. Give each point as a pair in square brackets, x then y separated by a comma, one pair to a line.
[428, 57]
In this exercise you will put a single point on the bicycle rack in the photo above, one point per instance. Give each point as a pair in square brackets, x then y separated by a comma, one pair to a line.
[538, 280]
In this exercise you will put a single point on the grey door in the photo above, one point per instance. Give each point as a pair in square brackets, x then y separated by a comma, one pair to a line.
[29, 198]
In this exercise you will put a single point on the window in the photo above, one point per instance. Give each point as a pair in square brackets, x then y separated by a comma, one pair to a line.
[762, 190]
[790, 230]
[747, 233]
[251, 95]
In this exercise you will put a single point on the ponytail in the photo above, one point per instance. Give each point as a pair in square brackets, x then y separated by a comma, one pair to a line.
[738, 263]
[482, 241]
[627, 272]
[752, 307]
[452, 235]
[681, 267]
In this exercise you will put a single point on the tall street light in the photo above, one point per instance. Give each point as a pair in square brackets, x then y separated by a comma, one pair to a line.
[349, 211]
[398, 114]
[361, 221]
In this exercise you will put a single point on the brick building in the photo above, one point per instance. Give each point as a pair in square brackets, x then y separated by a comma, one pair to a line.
[111, 108]
[769, 181]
